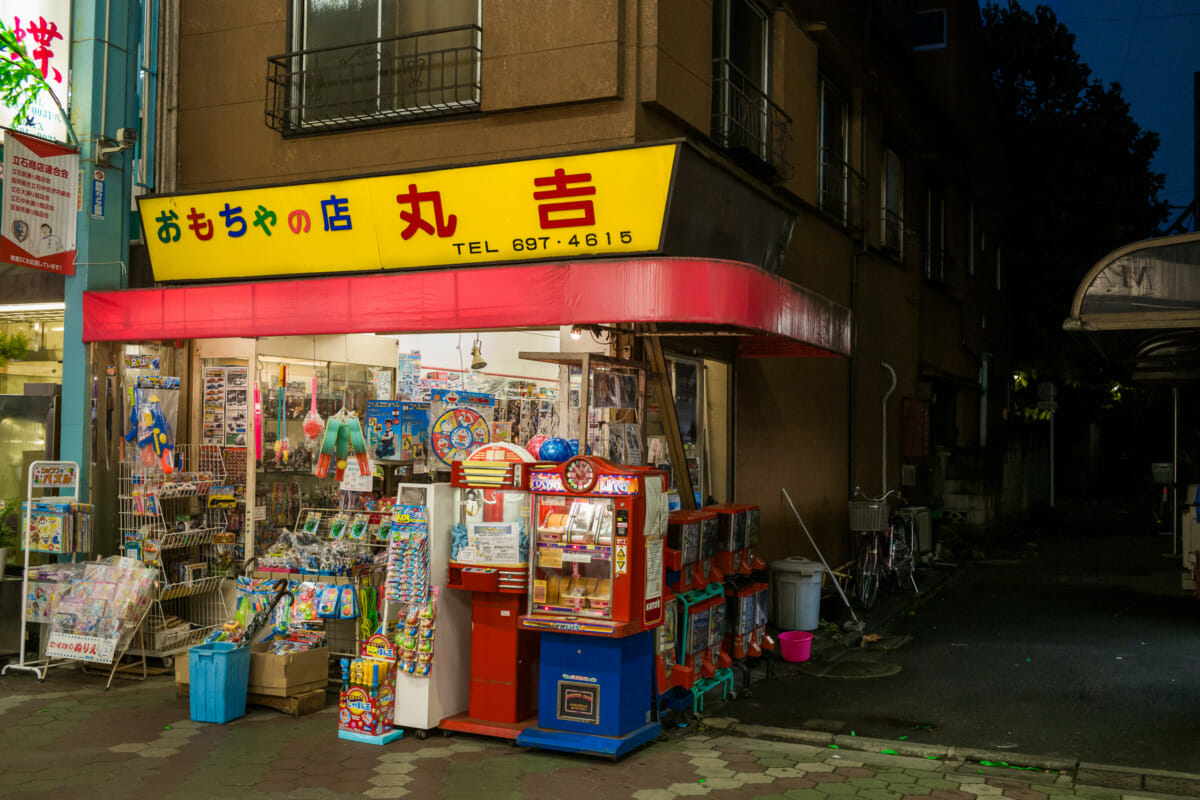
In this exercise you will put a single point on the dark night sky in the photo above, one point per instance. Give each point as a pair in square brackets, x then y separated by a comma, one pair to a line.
[1151, 48]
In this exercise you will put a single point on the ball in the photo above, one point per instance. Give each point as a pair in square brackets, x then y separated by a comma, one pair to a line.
[535, 445]
[556, 449]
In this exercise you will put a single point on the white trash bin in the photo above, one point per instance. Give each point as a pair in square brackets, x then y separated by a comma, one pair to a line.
[797, 593]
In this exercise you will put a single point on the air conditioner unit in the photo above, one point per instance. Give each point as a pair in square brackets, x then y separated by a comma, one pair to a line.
[922, 522]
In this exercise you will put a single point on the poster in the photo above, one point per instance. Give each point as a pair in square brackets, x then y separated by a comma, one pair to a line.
[414, 431]
[384, 426]
[40, 186]
[225, 406]
[44, 28]
[495, 542]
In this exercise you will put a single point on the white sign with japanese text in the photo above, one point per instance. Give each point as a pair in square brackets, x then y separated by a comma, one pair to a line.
[38, 212]
[43, 27]
[81, 648]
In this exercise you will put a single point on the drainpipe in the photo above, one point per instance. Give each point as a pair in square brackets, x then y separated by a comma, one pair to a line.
[886, 395]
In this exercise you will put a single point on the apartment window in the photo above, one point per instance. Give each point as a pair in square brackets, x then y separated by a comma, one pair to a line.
[997, 269]
[355, 63]
[744, 118]
[929, 29]
[833, 170]
[893, 203]
[934, 246]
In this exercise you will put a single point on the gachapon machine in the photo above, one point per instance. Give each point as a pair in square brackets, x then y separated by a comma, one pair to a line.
[748, 606]
[597, 594]
[686, 543]
[489, 559]
[666, 636]
[702, 662]
[736, 525]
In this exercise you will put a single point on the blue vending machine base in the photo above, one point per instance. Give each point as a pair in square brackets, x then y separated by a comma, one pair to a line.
[595, 695]
[612, 746]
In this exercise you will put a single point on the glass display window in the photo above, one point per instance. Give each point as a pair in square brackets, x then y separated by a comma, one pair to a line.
[709, 529]
[573, 573]
[698, 632]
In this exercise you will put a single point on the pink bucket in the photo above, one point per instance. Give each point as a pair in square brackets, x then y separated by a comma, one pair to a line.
[795, 645]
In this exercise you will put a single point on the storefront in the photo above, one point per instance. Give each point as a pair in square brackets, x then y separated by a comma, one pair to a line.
[427, 313]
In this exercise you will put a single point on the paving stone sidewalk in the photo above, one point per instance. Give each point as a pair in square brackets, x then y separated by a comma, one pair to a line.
[68, 737]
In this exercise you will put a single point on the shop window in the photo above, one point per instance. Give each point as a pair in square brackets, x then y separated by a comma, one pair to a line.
[356, 63]
[744, 118]
[934, 244]
[893, 203]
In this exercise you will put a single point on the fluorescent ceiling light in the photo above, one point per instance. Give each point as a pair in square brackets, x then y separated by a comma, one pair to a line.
[17, 308]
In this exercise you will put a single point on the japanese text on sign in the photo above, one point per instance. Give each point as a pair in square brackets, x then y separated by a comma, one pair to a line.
[53, 474]
[567, 206]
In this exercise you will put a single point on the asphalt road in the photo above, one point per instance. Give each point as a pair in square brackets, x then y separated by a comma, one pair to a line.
[1083, 648]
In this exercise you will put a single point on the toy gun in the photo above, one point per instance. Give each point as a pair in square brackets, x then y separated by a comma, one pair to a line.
[148, 427]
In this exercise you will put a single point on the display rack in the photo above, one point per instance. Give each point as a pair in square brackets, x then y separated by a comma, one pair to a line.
[166, 521]
[62, 476]
[343, 636]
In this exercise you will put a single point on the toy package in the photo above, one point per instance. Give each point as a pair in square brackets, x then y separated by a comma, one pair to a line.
[415, 637]
[366, 703]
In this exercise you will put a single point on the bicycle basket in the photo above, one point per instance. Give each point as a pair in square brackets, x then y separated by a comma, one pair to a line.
[868, 515]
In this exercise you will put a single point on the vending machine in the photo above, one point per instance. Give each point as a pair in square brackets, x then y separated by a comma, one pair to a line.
[701, 661]
[737, 534]
[597, 594]
[490, 560]
[691, 545]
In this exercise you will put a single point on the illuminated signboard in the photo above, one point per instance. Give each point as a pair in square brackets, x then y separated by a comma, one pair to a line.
[562, 207]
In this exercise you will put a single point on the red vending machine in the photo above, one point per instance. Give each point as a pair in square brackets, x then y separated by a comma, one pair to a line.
[737, 533]
[597, 592]
[691, 545]
[489, 559]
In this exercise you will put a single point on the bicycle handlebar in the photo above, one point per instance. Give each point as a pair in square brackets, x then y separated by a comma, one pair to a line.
[858, 491]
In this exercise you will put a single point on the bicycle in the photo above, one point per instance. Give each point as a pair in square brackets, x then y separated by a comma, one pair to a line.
[885, 546]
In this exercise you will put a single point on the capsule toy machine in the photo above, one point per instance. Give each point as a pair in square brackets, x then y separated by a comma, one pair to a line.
[747, 608]
[686, 561]
[736, 524]
[666, 643]
[489, 559]
[597, 594]
[701, 662]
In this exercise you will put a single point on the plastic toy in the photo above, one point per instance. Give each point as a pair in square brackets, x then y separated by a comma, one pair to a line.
[343, 438]
[282, 446]
[314, 426]
[149, 429]
[557, 450]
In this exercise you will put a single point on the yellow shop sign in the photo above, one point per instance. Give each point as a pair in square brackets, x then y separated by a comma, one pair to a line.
[561, 207]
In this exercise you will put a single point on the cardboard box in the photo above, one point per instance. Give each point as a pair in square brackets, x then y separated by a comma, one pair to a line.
[293, 673]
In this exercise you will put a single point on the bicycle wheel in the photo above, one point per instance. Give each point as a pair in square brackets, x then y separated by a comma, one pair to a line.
[903, 562]
[866, 573]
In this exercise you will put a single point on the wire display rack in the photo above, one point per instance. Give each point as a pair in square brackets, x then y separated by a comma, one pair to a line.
[166, 521]
[343, 636]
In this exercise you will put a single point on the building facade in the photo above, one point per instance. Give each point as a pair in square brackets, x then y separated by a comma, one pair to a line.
[865, 121]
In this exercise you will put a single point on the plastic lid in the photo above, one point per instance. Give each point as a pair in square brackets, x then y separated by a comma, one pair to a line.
[797, 564]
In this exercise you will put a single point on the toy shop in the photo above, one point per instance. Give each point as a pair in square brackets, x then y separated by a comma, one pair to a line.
[454, 446]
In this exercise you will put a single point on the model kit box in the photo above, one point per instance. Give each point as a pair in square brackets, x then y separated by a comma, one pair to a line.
[287, 674]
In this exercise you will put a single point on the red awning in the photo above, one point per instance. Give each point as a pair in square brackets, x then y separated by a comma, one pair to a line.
[660, 290]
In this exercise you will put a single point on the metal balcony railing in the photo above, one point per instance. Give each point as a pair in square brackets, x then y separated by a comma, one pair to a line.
[745, 121]
[934, 264]
[428, 74]
[893, 233]
[841, 192]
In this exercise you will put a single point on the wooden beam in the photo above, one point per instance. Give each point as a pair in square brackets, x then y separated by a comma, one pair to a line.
[666, 403]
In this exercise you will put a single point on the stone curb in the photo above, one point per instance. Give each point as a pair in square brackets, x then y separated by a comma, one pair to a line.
[954, 759]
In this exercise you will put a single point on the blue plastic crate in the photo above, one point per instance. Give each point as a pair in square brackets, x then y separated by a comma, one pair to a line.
[219, 674]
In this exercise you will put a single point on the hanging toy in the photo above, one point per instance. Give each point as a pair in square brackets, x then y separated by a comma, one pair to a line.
[343, 438]
[281, 442]
[313, 425]
[148, 427]
[258, 426]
